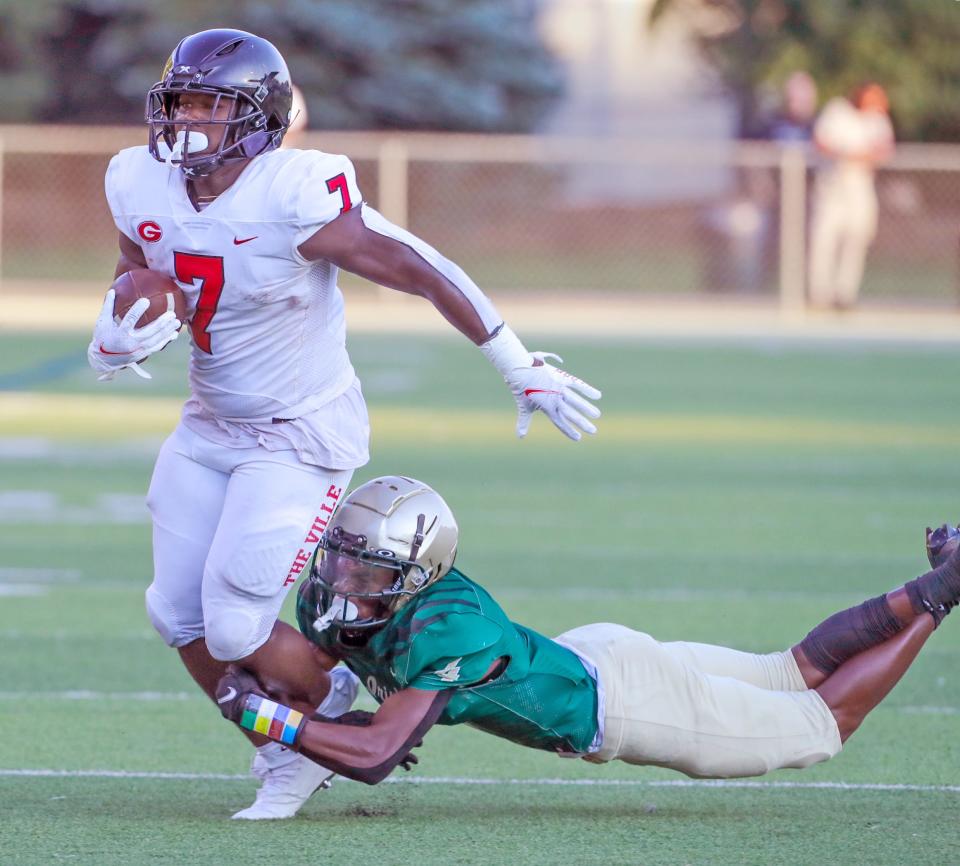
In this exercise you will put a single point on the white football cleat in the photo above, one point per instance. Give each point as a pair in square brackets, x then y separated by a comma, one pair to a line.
[285, 788]
[289, 779]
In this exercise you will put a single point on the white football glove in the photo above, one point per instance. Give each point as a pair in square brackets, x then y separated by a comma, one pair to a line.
[118, 345]
[538, 385]
[555, 393]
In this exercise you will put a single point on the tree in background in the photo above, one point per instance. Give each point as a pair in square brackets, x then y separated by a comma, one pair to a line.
[362, 64]
[909, 46]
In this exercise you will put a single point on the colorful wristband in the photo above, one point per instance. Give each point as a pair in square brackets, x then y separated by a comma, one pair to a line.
[273, 720]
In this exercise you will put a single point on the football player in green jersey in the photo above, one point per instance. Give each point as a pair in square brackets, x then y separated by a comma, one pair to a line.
[432, 647]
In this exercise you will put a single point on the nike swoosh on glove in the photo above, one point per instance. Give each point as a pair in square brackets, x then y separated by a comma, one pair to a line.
[554, 392]
[116, 346]
[232, 691]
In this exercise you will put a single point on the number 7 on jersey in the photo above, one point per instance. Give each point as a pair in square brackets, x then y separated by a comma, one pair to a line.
[190, 267]
[338, 183]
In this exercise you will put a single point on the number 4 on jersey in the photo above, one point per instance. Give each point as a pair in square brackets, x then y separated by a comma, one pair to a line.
[190, 267]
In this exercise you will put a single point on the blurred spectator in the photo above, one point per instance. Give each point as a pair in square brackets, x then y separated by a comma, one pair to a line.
[298, 120]
[790, 126]
[855, 135]
[794, 121]
[741, 236]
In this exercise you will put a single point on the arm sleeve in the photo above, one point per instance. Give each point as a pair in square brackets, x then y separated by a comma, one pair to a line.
[488, 314]
[328, 188]
[453, 652]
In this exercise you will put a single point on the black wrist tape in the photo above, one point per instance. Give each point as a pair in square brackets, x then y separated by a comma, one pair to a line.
[850, 632]
[937, 591]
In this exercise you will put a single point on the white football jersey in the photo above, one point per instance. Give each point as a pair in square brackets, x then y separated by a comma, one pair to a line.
[267, 326]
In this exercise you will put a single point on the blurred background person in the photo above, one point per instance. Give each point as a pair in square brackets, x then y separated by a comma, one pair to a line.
[794, 121]
[298, 123]
[741, 235]
[855, 136]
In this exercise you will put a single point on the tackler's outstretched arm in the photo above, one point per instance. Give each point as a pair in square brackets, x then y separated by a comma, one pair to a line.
[362, 746]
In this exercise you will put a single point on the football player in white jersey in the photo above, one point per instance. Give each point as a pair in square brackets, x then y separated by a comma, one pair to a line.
[276, 422]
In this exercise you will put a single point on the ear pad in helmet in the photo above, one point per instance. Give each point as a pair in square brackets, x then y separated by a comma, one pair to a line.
[255, 143]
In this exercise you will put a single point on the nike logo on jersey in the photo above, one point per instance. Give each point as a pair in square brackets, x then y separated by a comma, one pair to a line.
[228, 696]
[530, 391]
[108, 352]
[450, 672]
[238, 241]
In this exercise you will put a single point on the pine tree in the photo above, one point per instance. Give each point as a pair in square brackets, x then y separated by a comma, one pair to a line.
[409, 64]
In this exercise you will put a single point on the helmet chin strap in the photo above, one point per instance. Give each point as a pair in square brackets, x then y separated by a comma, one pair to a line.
[173, 157]
[417, 542]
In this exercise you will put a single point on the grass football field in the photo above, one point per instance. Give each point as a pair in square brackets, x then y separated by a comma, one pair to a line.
[737, 493]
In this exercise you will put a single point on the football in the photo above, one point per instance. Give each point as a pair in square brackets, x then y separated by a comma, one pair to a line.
[164, 294]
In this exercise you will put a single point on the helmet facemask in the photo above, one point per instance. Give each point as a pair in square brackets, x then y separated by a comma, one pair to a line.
[361, 588]
[176, 143]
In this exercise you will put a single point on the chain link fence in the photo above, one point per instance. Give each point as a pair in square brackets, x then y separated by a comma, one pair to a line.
[524, 214]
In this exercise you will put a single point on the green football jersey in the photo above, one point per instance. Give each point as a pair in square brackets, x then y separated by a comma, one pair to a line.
[447, 637]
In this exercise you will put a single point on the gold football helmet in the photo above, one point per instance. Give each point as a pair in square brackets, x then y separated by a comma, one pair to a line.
[390, 539]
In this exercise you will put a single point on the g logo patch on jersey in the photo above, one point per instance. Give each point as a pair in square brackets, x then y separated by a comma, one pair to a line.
[149, 231]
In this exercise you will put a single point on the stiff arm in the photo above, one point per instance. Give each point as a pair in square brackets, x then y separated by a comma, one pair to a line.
[351, 244]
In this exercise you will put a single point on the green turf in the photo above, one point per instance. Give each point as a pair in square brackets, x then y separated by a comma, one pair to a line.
[741, 493]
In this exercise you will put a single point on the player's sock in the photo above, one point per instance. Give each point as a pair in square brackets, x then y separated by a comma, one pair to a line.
[344, 686]
[273, 755]
[937, 591]
[849, 632]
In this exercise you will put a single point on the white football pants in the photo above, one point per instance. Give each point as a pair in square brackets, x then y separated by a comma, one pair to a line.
[232, 530]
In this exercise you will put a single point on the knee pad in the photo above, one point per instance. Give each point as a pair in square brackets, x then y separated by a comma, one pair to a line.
[233, 633]
[164, 619]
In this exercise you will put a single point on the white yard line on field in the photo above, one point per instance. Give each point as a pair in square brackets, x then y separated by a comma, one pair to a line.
[39, 575]
[535, 783]
[17, 634]
[88, 695]
[22, 590]
[671, 595]
[930, 711]
[363, 701]
[141, 450]
[45, 507]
